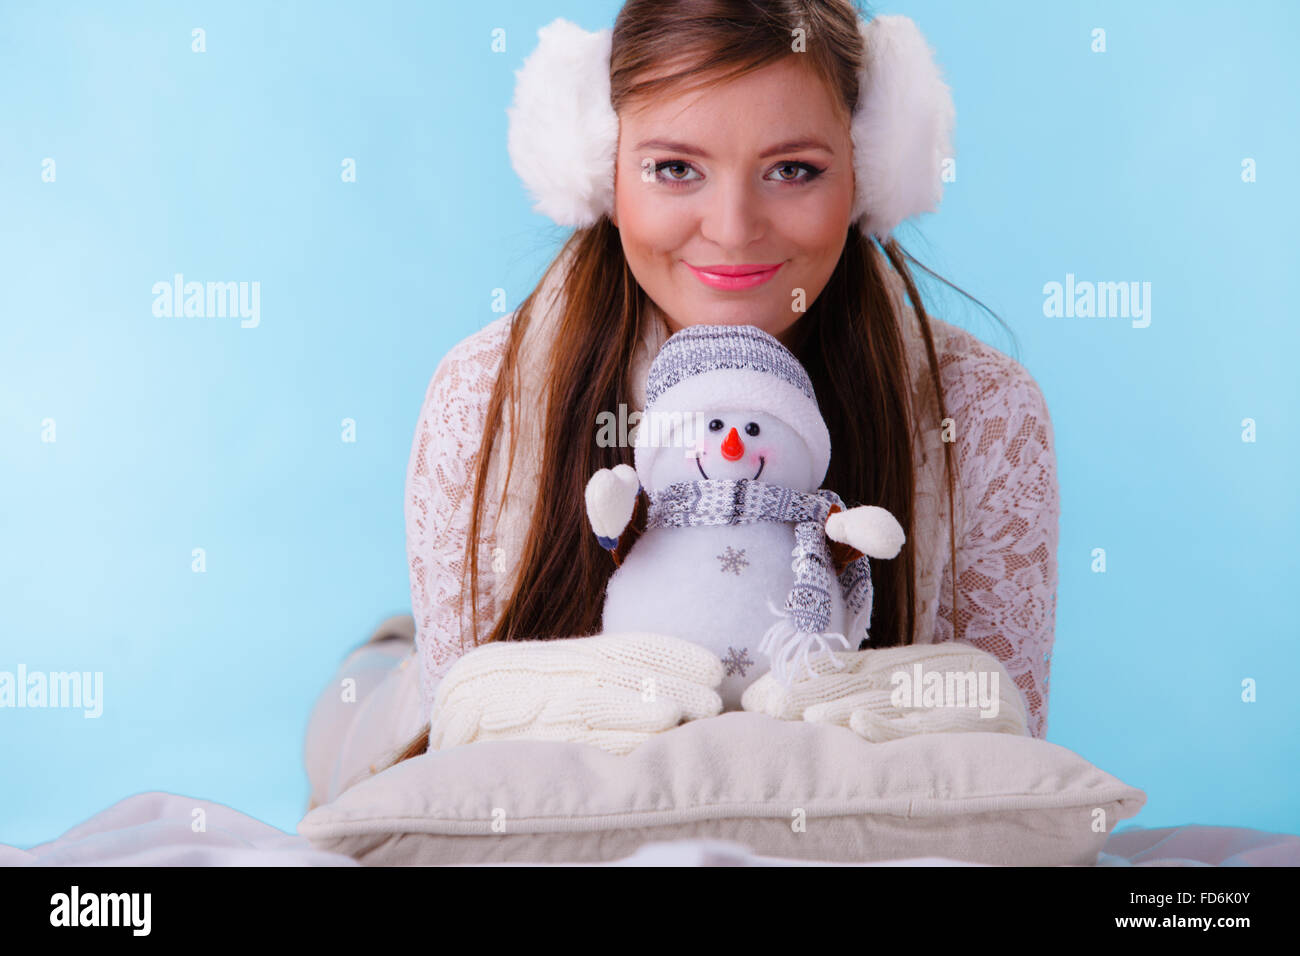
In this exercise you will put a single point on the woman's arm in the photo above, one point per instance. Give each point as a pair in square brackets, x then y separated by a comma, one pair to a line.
[1006, 549]
[439, 489]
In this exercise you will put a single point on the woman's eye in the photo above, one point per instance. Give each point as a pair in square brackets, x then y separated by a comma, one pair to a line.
[677, 172]
[715, 425]
[812, 172]
[673, 178]
[751, 428]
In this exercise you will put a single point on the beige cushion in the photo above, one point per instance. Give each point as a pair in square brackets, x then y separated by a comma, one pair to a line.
[977, 797]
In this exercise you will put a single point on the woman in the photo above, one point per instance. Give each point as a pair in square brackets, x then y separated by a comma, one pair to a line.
[734, 155]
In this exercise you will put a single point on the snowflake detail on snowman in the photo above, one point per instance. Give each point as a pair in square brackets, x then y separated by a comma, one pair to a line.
[733, 560]
[736, 661]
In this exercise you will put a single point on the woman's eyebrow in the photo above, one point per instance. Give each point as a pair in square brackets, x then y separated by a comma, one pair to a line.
[789, 146]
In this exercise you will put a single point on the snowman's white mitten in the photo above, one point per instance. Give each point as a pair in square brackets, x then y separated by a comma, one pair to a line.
[867, 698]
[611, 500]
[609, 690]
[873, 531]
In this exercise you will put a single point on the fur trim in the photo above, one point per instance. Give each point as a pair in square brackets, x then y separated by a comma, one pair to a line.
[563, 132]
[902, 129]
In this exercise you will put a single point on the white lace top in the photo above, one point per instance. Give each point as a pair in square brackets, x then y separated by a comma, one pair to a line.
[1007, 502]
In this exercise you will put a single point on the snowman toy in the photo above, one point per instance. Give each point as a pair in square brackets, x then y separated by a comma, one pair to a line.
[727, 516]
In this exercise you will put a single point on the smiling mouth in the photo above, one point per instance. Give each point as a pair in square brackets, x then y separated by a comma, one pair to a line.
[761, 463]
[734, 278]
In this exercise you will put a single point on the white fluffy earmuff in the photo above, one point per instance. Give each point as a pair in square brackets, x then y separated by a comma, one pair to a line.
[563, 131]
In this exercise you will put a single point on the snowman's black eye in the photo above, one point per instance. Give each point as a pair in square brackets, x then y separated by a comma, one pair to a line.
[751, 428]
[715, 425]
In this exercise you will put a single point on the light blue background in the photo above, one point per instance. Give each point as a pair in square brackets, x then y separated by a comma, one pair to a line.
[183, 433]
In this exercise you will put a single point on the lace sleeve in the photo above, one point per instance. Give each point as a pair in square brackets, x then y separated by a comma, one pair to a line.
[439, 489]
[1006, 547]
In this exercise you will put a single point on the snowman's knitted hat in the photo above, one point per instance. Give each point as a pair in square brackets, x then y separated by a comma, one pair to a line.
[703, 369]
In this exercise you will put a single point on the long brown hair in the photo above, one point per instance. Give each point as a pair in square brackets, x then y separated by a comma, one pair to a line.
[850, 341]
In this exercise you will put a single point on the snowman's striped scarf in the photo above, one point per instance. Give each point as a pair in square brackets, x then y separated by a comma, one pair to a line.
[804, 622]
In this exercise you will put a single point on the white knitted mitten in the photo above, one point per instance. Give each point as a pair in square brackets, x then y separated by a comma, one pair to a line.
[609, 690]
[866, 697]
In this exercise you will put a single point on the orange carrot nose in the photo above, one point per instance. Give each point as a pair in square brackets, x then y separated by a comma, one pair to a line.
[732, 446]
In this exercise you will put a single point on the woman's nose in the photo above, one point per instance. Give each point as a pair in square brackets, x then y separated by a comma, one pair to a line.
[734, 215]
[732, 447]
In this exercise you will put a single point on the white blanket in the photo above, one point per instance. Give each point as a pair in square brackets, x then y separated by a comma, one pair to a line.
[159, 829]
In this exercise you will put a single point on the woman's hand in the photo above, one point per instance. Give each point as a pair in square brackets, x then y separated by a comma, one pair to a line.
[884, 694]
[610, 690]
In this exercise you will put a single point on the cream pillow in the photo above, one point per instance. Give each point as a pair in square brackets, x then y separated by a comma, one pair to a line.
[783, 788]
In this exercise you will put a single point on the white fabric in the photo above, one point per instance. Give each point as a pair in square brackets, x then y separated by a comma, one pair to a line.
[785, 788]
[860, 694]
[367, 713]
[168, 829]
[672, 582]
[611, 500]
[156, 829]
[872, 530]
[611, 691]
[1007, 494]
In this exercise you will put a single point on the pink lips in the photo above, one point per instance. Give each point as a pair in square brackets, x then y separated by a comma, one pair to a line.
[735, 277]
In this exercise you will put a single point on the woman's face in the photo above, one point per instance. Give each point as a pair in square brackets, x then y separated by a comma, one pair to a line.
[754, 176]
